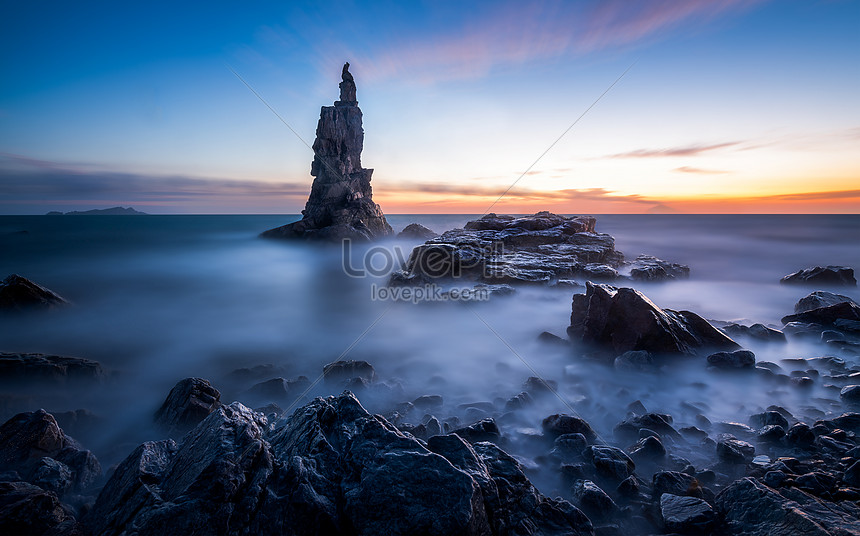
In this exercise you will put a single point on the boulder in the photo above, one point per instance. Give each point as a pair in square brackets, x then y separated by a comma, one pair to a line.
[340, 205]
[609, 462]
[329, 468]
[649, 268]
[592, 500]
[759, 332]
[34, 446]
[623, 319]
[189, 402]
[752, 508]
[733, 450]
[26, 509]
[739, 359]
[820, 298]
[818, 275]
[826, 316]
[416, 231]
[19, 293]
[673, 482]
[277, 390]
[686, 515]
[850, 394]
[561, 424]
[51, 369]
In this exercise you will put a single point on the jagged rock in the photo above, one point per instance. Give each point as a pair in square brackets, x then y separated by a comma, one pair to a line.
[673, 482]
[329, 468]
[339, 372]
[739, 359]
[828, 275]
[561, 424]
[648, 449]
[27, 439]
[820, 298]
[752, 508]
[759, 332]
[628, 430]
[850, 394]
[483, 430]
[733, 450]
[54, 369]
[416, 231]
[278, 390]
[19, 293]
[26, 509]
[592, 500]
[686, 515]
[543, 248]
[767, 418]
[609, 462]
[649, 268]
[827, 315]
[340, 204]
[189, 402]
[623, 319]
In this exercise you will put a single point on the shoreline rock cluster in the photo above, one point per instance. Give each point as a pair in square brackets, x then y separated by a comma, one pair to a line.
[543, 248]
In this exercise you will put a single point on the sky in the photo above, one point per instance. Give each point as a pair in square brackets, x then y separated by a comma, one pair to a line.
[655, 106]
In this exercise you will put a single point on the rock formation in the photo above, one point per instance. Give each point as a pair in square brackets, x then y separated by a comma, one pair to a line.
[19, 293]
[623, 319]
[543, 248]
[340, 205]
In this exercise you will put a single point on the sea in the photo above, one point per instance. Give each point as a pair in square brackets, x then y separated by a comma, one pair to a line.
[158, 298]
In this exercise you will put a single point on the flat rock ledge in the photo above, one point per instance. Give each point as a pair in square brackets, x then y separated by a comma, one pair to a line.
[543, 248]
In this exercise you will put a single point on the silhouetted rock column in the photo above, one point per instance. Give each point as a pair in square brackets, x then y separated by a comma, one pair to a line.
[340, 205]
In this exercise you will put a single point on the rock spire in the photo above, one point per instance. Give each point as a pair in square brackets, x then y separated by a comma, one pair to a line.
[340, 204]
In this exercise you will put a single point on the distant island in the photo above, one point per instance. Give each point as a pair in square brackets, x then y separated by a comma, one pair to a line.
[114, 211]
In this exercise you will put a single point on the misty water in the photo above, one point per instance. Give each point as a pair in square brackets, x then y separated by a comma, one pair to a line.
[160, 298]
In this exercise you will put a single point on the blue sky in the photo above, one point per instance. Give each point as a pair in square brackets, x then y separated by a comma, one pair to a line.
[731, 105]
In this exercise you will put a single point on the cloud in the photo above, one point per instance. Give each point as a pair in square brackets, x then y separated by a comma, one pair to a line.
[689, 150]
[32, 182]
[816, 196]
[688, 169]
[517, 33]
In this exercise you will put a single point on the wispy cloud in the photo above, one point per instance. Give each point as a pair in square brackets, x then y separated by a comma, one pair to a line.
[520, 32]
[688, 150]
[700, 171]
[28, 182]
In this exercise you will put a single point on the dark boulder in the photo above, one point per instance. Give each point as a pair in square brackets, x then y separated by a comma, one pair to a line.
[826, 316]
[416, 231]
[623, 319]
[19, 294]
[752, 508]
[760, 420]
[648, 449]
[189, 402]
[29, 510]
[686, 515]
[818, 299]
[277, 390]
[673, 482]
[758, 332]
[483, 430]
[648, 268]
[827, 275]
[739, 359]
[850, 394]
[610, 462]
[596, 504]
[628, 429]
[27, 439]
[561, 424]
[733, 450]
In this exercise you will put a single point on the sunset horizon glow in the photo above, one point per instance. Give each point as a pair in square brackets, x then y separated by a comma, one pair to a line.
[729, 106]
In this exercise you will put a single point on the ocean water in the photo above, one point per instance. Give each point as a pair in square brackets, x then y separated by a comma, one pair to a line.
[160, 298]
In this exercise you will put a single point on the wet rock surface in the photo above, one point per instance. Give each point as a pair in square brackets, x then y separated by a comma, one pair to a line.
[623, 319]
[20, 294]
[331, 467]
[340, 204]
[188, 403]
[543, 248]
[822, 275]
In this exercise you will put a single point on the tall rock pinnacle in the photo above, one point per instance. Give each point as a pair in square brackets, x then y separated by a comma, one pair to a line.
[340, 205]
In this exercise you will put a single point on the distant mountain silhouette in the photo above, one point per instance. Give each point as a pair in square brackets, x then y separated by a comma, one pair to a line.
[114, 211]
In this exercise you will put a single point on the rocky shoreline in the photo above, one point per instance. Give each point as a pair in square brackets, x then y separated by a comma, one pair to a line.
[422, 465]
